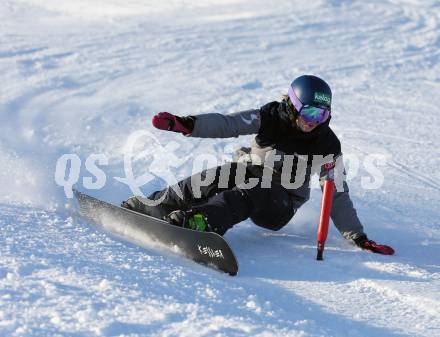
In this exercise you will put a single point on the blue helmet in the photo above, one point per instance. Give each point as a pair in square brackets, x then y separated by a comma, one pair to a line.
[312, 90]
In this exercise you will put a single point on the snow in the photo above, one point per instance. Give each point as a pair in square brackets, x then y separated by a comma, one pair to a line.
[80, 77]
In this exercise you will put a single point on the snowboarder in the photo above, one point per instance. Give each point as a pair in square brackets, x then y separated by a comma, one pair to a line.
[295, 129]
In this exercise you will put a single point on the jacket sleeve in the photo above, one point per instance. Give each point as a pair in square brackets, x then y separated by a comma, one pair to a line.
[343, 213]
[216, 125]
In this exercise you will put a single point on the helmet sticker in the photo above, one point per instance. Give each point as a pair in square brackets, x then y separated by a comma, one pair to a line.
[322, 98]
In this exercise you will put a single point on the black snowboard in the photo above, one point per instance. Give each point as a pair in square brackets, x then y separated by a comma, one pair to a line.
[203, 247]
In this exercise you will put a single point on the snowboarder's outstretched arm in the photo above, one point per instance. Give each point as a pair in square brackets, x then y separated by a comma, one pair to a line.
[345, 218]
[212, 125]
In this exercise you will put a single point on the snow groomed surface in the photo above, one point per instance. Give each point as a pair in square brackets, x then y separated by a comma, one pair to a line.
[79, 77]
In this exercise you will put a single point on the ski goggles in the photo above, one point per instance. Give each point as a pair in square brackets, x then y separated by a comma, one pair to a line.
[309, 113]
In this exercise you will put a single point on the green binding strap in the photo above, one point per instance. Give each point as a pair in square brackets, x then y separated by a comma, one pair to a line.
[197, 222]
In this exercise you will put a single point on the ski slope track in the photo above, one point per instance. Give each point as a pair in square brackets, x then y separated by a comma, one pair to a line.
[78, 77]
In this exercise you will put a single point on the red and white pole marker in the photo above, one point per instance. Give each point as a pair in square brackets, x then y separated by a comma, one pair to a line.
[326, 207]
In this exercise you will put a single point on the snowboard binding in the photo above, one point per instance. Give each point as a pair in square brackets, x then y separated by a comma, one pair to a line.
[189, 219]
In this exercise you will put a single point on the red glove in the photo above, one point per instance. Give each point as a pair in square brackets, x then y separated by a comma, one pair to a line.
[370, 245]
[170, 122]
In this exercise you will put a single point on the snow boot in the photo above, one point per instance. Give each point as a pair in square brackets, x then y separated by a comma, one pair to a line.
[126, 205]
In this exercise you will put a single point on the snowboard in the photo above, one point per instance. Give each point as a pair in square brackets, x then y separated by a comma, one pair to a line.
[206, 248]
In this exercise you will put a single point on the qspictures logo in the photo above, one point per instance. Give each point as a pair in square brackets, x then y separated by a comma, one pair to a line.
[159, 161]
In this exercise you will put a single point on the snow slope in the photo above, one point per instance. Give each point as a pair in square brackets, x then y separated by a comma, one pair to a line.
[78, 77]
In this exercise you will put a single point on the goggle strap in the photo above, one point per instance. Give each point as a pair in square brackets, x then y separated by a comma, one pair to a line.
[295, 100]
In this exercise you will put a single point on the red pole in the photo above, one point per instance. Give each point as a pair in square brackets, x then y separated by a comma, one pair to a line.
[326, 207]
